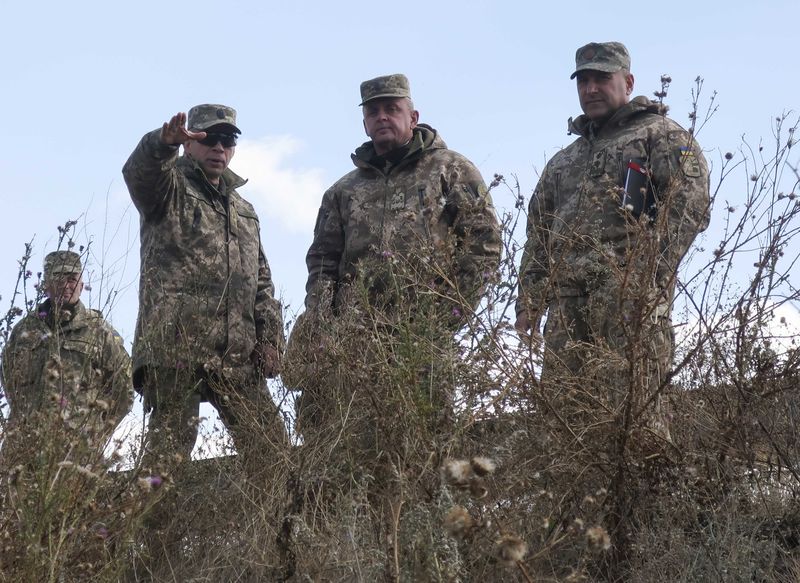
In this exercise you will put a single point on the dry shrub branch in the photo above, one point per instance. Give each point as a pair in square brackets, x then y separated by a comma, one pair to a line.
[428, 447]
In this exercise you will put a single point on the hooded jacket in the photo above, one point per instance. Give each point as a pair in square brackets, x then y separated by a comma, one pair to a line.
[584, 226]
[205, 290]
[69, 360]
[431, 204]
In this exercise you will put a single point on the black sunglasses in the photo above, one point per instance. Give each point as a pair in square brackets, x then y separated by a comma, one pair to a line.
[211, 139]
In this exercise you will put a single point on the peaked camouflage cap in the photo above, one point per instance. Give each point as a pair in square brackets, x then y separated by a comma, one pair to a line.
[387, 86]
[608, 57]
[59, 262]
[210, 115]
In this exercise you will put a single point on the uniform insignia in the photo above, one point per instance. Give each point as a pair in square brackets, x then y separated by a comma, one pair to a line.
[398, 201]
[598, 163]
[689, 163]
[475, 189]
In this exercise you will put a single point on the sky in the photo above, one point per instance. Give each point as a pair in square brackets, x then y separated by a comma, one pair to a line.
[83, 81]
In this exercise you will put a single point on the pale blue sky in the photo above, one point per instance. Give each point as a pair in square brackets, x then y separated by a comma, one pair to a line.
[83, 81]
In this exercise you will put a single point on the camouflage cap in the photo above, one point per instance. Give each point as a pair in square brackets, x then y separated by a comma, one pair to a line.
[59, 262]
[607, 57]
[387, 86]
[210, 115]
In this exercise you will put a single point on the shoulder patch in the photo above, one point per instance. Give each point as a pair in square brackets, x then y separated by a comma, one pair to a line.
[688, 162]
[474, 189]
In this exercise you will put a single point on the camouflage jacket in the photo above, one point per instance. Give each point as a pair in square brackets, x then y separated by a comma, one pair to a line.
[582, 226]
[205, 289]
[432, 204]
[70, 360]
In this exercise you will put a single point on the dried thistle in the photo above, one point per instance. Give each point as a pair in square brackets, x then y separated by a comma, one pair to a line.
[483, 466]
[511, 549]
[577, 576]
[477, 488]
[458, 522]
[149, 483]
[597, 538]
[458, 472]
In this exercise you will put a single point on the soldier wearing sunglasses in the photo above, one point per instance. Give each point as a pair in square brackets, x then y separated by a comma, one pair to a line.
[209, 326]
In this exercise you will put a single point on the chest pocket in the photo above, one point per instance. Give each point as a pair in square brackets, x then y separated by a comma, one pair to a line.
[245, 228]
[244, 218]
[79, 345]
[80, 353]
[202, 216]
[25, 359]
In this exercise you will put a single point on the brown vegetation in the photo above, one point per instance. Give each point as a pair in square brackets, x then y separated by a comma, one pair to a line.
[526, 481]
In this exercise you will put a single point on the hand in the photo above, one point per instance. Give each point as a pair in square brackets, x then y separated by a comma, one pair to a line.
[266, 359]
[174, 132]
[148, 401]
[523, 326]
[528, 331]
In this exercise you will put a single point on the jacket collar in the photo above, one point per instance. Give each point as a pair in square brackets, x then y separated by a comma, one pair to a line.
[424, 138]
[192, 168]
[65, 314]
[583, 126]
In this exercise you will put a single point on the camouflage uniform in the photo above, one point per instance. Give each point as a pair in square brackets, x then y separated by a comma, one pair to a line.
[67, 360]
[206, 297]
[602, 262]
[416, 230]
[433, 202]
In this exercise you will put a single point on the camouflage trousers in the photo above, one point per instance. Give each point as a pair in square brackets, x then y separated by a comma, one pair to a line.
[259, 436]
[244, 406]
[605, 362]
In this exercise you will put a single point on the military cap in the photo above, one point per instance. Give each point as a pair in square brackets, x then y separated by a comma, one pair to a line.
[59, 262]
[210, 115]
[387, 86]
[607, 57]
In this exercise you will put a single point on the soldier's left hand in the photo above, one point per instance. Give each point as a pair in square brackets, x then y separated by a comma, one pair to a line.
[266, 359]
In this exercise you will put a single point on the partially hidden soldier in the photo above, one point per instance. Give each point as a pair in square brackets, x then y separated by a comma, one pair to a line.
[209, 325]
[610, 220]
[403, 248]
[64, 362]
[410, 202]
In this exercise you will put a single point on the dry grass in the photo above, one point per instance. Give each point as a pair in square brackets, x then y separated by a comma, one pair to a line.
[520, 480]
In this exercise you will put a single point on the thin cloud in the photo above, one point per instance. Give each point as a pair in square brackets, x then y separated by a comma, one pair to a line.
[285, 193]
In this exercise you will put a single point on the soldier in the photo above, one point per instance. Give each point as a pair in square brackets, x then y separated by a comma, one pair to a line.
[611, 218]
[209, 326]
[408, 191]
[66, 359]
[411, 202]
[403, 247]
